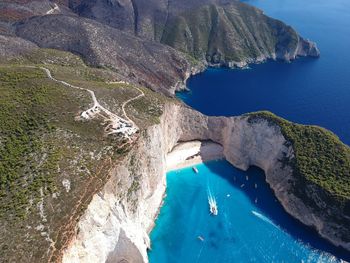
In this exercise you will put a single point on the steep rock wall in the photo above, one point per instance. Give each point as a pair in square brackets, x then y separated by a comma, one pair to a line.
[116, 224]
[262, 144]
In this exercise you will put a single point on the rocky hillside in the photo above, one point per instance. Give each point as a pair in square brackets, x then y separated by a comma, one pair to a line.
[16, 10]
[157, 44]
[318, 191]
[75, 193]
[11, 47]
[216, 31]
[144, 62]
[79, 195]
[52, 160]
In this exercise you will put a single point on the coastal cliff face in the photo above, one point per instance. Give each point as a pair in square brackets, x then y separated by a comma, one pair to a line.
[217, 32]
[156, 44]
[116, 224]
[261, 143]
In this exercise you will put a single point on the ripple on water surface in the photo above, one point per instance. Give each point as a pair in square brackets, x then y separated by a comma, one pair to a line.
[310, 91]
[251, 225]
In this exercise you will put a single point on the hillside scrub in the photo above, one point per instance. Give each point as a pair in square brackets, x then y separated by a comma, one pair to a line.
[320, 157]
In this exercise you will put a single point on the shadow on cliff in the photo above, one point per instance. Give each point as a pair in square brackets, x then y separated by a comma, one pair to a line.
[252, 183]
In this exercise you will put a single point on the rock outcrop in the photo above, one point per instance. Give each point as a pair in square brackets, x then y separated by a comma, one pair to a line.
[116, 223]
[158, 44]
[218, 32]
[144, 62]
[307, 48]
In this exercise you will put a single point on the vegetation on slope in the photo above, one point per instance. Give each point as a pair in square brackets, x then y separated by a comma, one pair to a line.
[51, 163]
[213, 30]
[140, 61]
[228, 33]
[23, 123]
[320, 156]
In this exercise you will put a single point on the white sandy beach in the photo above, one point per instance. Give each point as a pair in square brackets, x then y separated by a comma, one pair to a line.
[192, 153]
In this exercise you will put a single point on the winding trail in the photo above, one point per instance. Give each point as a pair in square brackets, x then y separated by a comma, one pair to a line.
[53, 9]
[92, 94]
[142, 94]
[114, 118]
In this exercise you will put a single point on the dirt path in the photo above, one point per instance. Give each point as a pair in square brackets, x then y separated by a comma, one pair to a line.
[117, 124]
[94, 99]
[53, 9]
[142, 94]
[92, 94]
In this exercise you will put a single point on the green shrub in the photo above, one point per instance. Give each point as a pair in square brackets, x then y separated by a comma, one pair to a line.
[320, 156]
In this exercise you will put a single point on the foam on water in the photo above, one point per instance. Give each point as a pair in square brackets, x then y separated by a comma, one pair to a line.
[264, 218]
[243, 230]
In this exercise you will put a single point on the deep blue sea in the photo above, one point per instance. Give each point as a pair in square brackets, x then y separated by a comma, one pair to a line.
[251, 225]
[308, 91]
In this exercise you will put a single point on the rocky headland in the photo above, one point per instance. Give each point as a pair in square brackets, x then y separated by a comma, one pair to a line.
[116, 224]
[173, 39]
[159, 45]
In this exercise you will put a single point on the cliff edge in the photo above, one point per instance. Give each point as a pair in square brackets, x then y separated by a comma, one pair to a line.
[157, 44]
[247, 140]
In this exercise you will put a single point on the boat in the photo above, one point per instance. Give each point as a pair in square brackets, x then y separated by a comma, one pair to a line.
[201, 238]
[214, 210]
[194, 168]
[212, 205]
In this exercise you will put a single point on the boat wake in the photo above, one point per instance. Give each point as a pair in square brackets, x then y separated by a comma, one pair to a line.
[212, 204]
[264, 218]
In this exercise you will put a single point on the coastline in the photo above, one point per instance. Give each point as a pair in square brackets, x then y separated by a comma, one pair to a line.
[187, 154]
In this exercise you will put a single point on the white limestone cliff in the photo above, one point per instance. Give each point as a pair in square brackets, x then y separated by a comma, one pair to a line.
[117, 222]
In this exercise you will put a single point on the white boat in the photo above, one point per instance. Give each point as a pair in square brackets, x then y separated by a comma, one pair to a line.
[212, 205]
[214, 210]
[194, 168]
[201, 238]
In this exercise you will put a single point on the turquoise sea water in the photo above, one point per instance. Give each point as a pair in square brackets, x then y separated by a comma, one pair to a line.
[310, 91]
[251, 225]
